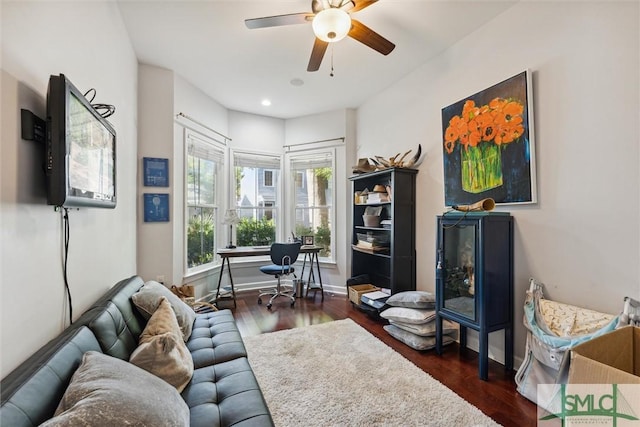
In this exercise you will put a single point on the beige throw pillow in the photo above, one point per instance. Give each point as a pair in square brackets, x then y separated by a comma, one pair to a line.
[147, 300]
[161, 349]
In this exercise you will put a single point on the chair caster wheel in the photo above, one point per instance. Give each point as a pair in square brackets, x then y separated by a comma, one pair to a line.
[269, 306]
[293, 304]
[259, 301]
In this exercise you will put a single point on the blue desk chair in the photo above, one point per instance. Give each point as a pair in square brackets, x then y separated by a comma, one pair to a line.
[283, 256]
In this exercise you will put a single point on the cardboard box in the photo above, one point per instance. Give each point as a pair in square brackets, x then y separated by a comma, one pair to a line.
[356, 291]
[613, 358]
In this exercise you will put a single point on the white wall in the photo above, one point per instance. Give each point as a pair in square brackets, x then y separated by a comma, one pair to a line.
[155, 139]
[582, 237]
[256, 133]
[89, 44]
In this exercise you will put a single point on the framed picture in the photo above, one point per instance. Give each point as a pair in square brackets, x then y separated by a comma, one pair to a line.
[307, 240]
[156, 172]
[488, 145]
[156, 207]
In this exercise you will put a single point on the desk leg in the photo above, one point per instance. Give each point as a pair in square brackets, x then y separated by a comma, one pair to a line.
[312, 276]
[317, 257]
[224, 260]
[304, 265]
[233, 291]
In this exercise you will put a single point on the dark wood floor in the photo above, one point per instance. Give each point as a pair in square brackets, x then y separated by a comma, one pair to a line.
[456, 369]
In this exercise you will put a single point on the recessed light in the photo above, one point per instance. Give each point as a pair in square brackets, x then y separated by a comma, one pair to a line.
[266, 102]
[296, 82]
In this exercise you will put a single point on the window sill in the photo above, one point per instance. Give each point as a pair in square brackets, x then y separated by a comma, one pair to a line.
[201, 272]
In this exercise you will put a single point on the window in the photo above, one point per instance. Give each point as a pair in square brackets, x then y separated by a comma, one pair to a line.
[313, 196]
[203, 169]
[256, 197]
[268, 178]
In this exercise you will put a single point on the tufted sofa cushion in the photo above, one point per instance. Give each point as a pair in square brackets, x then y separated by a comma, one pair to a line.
[111, 330]
[225, 394]
[215, 338]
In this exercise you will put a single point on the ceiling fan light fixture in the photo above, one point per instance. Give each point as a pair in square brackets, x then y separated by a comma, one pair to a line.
[331, 25]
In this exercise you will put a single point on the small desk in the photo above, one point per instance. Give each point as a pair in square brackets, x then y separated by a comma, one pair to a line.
[310, 253]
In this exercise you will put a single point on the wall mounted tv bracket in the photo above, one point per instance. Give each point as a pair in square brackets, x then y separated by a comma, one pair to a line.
[33, 128]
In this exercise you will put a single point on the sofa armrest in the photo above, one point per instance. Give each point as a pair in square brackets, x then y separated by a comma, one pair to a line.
[31, 393]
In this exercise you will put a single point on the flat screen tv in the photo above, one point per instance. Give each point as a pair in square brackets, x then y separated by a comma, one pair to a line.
[81, 150]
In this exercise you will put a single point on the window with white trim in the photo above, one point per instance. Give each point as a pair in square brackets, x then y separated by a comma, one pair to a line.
[267, 178]
[256, 197]
[312, 188]
[204, 165]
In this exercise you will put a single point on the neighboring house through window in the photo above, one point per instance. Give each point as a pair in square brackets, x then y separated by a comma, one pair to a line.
[256, 197]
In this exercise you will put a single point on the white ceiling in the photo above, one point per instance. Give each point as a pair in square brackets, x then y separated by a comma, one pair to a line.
[208, 44]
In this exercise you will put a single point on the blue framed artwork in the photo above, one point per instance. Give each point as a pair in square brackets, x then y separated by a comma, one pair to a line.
[156, 207]
[156, 172]
[488, 145]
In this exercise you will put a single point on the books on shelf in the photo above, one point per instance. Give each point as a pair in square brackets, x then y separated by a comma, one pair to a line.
[378, 198]
[376, 295]
[370, 249]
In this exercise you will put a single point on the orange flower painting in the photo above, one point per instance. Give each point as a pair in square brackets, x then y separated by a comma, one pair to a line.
[488, 145]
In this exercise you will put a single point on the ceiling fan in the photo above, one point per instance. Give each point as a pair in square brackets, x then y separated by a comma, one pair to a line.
[331, 21]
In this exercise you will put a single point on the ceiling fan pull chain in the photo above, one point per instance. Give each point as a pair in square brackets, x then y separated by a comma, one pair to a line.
[331, 74]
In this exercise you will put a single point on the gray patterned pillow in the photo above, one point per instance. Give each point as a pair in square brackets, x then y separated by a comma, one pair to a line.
[106, 391]
[161, 350]
[412, 299]
[426, 329]
[415, 341]
[147, 300]
[409, 315]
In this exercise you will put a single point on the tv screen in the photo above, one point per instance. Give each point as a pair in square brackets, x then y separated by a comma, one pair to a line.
[81, 150]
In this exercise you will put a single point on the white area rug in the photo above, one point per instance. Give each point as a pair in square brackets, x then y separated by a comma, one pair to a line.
[338, 374]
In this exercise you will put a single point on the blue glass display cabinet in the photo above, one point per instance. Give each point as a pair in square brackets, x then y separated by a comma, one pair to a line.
[474, 279]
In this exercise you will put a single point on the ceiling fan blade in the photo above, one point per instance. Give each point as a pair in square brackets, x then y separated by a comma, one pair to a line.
[279, 20]
[317, 53]
[361, 4]
[367, 36]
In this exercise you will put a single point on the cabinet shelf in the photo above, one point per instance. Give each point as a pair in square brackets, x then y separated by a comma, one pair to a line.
[373, 204]
[362, 227]
[378, 251]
